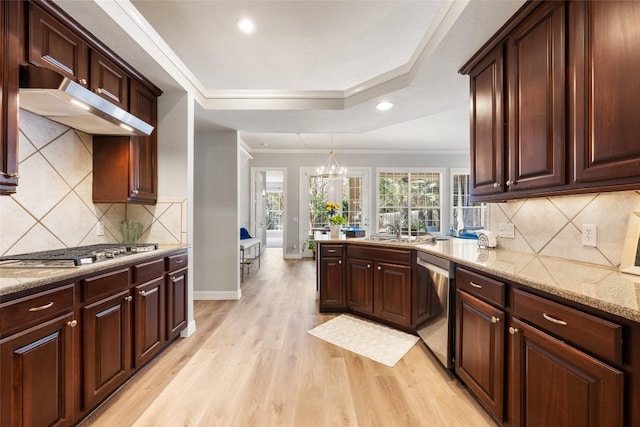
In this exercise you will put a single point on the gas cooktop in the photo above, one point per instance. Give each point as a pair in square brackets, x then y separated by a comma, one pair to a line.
[73, 257]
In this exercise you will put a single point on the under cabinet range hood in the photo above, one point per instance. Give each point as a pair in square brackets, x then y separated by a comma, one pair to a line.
[49, 94]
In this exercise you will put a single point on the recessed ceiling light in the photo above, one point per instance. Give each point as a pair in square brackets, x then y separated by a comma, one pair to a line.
[384, 106]
[246, 25]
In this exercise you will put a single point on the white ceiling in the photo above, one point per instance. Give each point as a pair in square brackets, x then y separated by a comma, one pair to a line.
[312, 69]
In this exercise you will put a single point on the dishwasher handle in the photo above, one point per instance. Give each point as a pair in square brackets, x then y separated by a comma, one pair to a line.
[439, 270]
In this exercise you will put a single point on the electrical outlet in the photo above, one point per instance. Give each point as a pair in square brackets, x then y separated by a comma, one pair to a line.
[589, 235]
[506, 229]
[100, 228]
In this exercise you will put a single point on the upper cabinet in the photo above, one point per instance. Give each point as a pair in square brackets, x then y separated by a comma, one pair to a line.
[109, 81]
[9, 79]
[553, 104]
[604, 53]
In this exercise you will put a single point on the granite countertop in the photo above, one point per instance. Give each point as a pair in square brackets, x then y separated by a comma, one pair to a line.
[19, 279]
[599, 287]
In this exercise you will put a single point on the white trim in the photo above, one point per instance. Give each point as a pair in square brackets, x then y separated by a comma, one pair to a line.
[252, 213]
[189, 330]
[292, 256]
[363, 151]
[217, 295]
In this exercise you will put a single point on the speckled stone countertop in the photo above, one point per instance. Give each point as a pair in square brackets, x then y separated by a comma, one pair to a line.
[599, 287]
[18, 279]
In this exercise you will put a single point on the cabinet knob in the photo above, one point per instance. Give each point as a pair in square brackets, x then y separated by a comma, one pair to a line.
[143, 293]
[339, 261]
[495, 319]
[368, 265]
[510, 183]
[135, 191]
[99, 90]
[379, 268]
[15, 175]
[496, 185]
[513, 330]
[128, 298]
[83, 82]
[72, 323]
[174, 280]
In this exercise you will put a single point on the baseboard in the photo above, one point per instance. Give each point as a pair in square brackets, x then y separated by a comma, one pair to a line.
[292, 256]
[189, 330]
[217, 295]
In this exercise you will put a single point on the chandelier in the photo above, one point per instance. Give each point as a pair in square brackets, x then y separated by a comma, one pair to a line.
[331, 168]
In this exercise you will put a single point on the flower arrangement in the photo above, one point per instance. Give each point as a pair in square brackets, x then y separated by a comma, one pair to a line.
[338, 220]
[332, 208]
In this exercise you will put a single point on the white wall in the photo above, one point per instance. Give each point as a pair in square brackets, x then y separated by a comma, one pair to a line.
[216, 216]
[294, 161]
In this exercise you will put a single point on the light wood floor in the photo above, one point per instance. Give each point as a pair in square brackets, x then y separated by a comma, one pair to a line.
[252, 363]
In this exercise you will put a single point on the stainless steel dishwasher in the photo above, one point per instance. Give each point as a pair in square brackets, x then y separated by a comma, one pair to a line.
[436, 286]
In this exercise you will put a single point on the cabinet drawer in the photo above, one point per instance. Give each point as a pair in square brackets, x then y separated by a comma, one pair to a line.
[149, 270]
[396, 256]
[105, 284]
[176, 262]
[481, 286]
[331, 250]
[24, 312]
[595, 335]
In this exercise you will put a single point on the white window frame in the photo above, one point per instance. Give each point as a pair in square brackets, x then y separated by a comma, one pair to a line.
[466, 171]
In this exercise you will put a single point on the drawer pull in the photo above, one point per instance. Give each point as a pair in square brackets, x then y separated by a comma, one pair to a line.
[180, 261]
[554, 320]
[513, 330]
[146, 293]
[495, 319]
[331, 251]
[42, 307]
[72, 323]
[475, 285]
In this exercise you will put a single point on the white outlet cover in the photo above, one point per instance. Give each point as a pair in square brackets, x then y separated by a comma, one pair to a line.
[589, 235]
[506, 229]
[100, 228]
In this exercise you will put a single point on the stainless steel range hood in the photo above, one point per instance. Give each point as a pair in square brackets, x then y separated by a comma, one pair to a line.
[47, 93]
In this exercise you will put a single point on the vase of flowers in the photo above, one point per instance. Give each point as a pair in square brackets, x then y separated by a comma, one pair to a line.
[335, 219]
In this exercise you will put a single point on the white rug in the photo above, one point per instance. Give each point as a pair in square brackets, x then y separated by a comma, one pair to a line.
[368, 339]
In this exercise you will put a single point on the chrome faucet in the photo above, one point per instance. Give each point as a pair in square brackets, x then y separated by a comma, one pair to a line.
[396, 227]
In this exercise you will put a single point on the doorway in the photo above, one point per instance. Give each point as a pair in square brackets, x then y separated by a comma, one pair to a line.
[269, 201]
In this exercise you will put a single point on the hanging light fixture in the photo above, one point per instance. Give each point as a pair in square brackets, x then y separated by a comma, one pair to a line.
[331, 169]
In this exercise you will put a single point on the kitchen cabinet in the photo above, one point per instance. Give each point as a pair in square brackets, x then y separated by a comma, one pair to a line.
[176, 295]
[9, 81]
[525, 148]
[604, 54]
[379, 283]
[331, 277]
[149, 310]
[36, 349]
[109, 81]
[562, 369]
[107, 334]
[480, 338]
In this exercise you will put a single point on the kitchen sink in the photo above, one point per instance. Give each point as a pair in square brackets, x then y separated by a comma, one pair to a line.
[391, 238]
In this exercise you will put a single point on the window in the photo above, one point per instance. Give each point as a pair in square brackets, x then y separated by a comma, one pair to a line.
[465, 213]
[349, 192]
[412, 198]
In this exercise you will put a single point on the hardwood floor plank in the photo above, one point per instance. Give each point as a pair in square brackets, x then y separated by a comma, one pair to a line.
[251, 362]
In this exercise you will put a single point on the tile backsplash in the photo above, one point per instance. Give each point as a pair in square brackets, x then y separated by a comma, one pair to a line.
[53, 206]
[552, 226]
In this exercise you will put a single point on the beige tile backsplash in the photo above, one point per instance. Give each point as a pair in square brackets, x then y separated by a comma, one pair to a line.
[552, 226]
[53, 206]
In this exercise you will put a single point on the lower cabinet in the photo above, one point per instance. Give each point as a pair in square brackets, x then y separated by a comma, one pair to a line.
[176, 302]
[392, 292]
[106, 346]
[149, 326]
[331, 277]
[360, 285]
[36, 375]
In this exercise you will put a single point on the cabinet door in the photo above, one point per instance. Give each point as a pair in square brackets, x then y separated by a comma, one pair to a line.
[392, 292]
[143, 149]
[149, 307]
[604, 49]
[487, 125]
[360, 285]
[536, 73]
[332, 290]
[9, 77]
[36, 381]
[109, 81]
[107, 346]
[558, 385]
[479, 360]
[176, 303]
[54, 46]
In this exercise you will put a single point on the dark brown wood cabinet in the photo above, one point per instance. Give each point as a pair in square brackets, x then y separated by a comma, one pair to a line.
[149, 326]
[106, 334]
[36, 348]
[535, 75]
[360, 285]
[9, 81]
[331, 276]
[480, 338]
[177, 282]
[392, 292]
[109, 81]
[604, 59]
